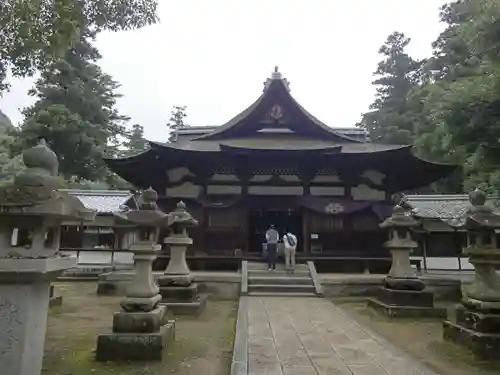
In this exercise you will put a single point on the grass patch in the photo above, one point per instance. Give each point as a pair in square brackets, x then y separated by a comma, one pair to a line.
[202, 345]
[422, 339]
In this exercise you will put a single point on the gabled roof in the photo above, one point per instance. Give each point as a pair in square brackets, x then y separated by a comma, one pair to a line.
[275, 108]
[104, 201]
[450, 208]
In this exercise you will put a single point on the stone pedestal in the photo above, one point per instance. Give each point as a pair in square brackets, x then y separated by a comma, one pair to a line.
[54, 301]
[179, 292]
[136, 336]
[403, 293]
[24, 300]
[140, 332]
[177, 289]
[477, 320]
[477, 328]
[406, 303]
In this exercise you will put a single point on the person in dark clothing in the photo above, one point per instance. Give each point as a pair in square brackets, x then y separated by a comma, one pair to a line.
[272, 238]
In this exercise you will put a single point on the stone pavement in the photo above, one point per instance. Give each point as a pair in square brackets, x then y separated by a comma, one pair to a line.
[311, 336]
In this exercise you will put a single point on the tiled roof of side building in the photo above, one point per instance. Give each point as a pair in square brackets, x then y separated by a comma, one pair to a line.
[445, 207]
[104, 201]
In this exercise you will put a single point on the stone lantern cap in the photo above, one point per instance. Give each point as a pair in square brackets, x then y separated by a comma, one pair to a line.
[34, 190]
[399, 219]
[182, 218]
[480, 215]
[148, 214]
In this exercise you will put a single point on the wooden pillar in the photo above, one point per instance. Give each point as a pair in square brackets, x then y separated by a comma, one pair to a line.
[306, 235]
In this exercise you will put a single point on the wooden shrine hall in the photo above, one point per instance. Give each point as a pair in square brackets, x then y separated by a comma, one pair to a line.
[275, 163]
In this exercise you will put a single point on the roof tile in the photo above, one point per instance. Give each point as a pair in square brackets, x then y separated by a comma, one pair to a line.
[102, 201]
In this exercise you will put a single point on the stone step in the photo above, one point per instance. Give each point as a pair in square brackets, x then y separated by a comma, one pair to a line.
[280, 266]
[278, 288]
[281, 294]
[277, 273]
[280, 279]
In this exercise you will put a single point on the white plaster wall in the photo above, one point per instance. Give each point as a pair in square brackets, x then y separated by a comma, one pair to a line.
[223, 189]
[176, 174]
[365, 193]
[275, 190]
[290, 178]
[327, 191]
[186, 190]
[261, 177]
[326, 179]
[224, 177]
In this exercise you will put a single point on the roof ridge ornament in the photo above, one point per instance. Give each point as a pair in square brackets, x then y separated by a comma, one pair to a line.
[276, 76]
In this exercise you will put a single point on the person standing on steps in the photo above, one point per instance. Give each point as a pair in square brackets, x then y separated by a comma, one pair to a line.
[290, 241]
[272, 238]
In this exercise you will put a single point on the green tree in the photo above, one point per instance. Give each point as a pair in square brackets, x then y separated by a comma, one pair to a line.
[460, 120]
[75, 113]
[396, 75]
[176, 121]
[9, 166]
[36, 33]
[135, 143]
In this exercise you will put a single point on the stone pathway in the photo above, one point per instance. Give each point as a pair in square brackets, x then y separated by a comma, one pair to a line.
[311, 336]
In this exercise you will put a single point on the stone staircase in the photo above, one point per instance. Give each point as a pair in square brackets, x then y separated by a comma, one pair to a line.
[262, 282]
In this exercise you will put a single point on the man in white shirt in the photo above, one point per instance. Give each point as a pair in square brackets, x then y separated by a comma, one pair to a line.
[290, 242]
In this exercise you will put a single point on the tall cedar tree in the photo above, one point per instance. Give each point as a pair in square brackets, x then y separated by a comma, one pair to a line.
[396, 75]
[461, 100]
[136, 143]
[176, 121]
[36, 33]
[75, 112]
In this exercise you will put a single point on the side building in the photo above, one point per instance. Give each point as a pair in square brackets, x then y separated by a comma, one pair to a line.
[440, 238]
[275, 163]
[102, 240]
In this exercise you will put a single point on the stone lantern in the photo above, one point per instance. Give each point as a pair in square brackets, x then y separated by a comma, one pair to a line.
[177, 288]
[31, 213]
[403, 292]
[140, 331]
[477, 323]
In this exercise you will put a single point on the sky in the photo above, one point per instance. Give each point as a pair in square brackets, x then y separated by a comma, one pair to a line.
[213, 57]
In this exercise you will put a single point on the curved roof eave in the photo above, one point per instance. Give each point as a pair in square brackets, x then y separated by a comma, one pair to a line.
[245, 113]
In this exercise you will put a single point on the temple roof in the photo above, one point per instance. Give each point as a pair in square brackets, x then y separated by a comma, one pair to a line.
[275, 108]
[104, 201]
[450, 208]
[276, 127]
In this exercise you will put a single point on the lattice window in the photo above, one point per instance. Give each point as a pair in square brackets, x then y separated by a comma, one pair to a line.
[326, 172]
[275, 171]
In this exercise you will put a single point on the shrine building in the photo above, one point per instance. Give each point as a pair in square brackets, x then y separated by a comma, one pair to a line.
[275, 163]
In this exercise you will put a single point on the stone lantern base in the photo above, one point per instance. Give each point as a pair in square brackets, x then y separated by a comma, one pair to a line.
[54, 300]
[136, 336]
[477, 327]
[180, 295]
[396, 303]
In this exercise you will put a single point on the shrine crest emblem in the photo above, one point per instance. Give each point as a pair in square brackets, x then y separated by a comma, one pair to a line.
[276, 112]
[334, 208]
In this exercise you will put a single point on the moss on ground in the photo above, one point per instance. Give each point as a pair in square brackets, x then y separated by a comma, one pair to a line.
[202, 345]
[423, 339]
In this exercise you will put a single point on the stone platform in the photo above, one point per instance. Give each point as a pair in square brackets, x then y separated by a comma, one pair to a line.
[478, 330]
[130, 346]
[311, 336]
[406, 304]
[192, 307]
[136, 336]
